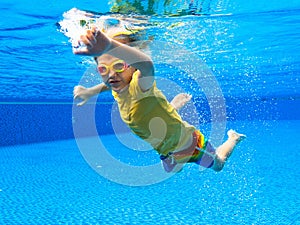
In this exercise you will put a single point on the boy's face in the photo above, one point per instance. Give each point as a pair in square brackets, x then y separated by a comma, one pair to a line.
[116, 80]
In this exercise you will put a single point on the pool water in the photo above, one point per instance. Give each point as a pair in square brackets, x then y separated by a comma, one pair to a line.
[51, 183]
[252, 52]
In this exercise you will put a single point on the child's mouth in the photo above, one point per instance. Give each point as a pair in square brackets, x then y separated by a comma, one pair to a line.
[113, 82]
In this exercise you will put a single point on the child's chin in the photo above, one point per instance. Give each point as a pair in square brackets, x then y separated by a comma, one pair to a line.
[116, 89]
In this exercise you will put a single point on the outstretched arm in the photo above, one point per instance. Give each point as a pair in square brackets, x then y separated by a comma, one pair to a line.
[85, 94]
[97, 43]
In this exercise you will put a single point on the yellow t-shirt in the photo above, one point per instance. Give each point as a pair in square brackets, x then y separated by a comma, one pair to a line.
[151, 117]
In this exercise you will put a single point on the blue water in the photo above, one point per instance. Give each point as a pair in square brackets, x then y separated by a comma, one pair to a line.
[50, 183]
[253, 52]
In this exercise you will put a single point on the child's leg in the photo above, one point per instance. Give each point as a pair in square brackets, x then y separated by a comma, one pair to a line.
[224, 151]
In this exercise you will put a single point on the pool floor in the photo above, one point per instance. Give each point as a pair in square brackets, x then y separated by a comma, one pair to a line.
[51, 183]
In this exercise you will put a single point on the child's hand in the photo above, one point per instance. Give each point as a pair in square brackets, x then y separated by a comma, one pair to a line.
[83, 93]
[96, 43]
[180, 100]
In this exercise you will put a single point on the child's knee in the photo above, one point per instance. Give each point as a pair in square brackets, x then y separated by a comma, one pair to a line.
[218, 164]
[217, 168]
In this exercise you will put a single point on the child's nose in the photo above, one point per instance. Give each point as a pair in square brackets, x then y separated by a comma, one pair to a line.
[111, 73]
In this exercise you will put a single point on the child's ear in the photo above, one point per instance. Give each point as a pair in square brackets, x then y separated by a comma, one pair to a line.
[133, 69]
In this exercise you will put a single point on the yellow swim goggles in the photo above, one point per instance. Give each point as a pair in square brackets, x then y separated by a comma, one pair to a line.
[117, 66]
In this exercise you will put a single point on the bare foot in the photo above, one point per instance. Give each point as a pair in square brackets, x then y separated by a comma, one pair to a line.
[224, 151]
[233, 135]
[180, 100]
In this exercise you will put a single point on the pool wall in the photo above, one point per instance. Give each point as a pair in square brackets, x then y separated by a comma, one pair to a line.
[26, 123]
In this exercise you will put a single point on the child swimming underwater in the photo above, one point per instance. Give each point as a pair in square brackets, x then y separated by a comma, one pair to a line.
[129, 74]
